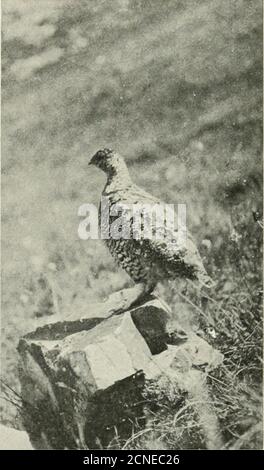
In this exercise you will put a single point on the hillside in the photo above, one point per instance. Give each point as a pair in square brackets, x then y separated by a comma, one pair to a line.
[174, 86]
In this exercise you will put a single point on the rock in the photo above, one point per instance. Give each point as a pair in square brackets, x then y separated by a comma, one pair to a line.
[12, 439]
[83, 381]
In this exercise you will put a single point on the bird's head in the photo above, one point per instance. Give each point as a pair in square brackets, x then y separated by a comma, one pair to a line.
[108, 161]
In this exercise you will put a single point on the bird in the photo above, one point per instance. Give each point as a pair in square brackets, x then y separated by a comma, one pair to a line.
[147, 260]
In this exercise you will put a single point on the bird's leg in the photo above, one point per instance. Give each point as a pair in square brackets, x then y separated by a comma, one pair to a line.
[118, 302]
[142, 293]
[127, 298]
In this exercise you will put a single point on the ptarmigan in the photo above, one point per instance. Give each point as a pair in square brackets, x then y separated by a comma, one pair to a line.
[146, 260]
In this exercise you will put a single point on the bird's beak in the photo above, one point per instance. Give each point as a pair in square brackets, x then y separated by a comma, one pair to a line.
[92, 161]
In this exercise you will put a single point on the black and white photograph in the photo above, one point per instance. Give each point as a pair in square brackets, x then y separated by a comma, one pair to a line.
[132, 228]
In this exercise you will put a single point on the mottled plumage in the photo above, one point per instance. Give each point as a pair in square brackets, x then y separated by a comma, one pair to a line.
[147, 261]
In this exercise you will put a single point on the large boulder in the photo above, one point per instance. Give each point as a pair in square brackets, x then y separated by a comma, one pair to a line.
[83, 380]
[13, 439]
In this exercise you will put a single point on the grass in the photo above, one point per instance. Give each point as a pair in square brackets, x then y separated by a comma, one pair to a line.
[234, 311]
[176, 88]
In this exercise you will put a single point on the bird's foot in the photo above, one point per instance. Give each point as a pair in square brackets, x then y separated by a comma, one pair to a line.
[125, 299]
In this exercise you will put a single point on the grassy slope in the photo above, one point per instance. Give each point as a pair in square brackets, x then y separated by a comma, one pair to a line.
[176, 87]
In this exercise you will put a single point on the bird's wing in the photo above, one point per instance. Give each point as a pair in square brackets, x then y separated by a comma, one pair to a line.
[179, 257]
[174, 250]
